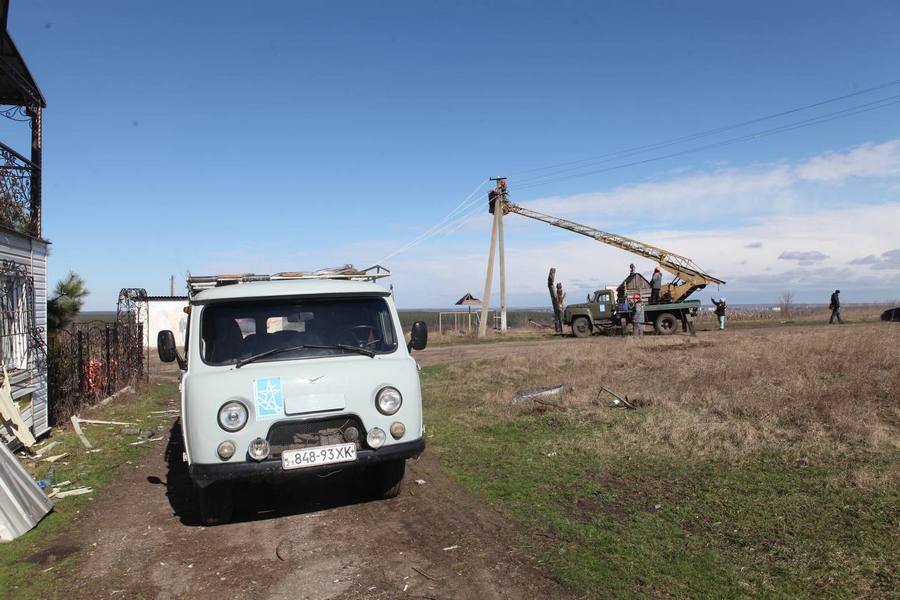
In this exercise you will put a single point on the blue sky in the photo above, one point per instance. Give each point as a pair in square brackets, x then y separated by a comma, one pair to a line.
[226, 136]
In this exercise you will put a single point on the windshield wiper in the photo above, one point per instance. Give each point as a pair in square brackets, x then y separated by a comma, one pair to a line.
[345, 347]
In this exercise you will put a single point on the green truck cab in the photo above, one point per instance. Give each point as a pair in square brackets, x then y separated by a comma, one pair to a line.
[601, 313]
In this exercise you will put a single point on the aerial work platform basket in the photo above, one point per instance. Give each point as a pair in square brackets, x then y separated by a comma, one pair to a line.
[198, 283]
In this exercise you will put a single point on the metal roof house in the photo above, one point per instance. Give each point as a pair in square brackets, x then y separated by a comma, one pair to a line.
[23, 249]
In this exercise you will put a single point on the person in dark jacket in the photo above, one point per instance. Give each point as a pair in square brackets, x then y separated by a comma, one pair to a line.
[655, 284]
[720, 311]
[835, 307]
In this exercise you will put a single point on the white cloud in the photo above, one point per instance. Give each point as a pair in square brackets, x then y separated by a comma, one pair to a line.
[753, 274]
[734, 191]
[784, 240]
[803, 258]
[889, 260]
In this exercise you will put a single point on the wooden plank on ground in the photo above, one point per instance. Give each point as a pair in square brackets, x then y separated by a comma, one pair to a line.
[76, 425]
[10, 413]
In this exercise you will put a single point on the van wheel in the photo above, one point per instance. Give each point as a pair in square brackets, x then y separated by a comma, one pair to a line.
[216, 503]
[581, 327]
[665, 324]
[383, 480]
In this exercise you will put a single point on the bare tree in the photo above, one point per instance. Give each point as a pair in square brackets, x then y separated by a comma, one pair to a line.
[786, 302]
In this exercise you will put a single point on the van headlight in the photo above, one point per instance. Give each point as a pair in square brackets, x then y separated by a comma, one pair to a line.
[232, 416]
[388, 401]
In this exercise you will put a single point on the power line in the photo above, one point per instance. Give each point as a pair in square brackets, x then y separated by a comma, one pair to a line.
[465, 211]
[690, 137]
[434, 229]
[843, 113]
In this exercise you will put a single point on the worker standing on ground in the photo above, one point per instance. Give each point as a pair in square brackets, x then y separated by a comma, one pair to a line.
[720, 311]
[637, 316]
[655, 284]
[560, 297]
[835, 307]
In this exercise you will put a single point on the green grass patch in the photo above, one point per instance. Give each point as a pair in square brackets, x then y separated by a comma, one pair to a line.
[26, 568]
[614, 523]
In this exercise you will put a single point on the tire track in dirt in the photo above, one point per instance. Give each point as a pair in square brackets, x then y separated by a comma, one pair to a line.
[142, 539]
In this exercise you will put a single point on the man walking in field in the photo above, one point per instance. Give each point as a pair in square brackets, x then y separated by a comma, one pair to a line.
[720, 311]
[655, 284]
[637, 316]
[835, 307]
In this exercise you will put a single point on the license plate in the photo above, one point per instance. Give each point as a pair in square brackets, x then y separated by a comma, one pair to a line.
[320, 455]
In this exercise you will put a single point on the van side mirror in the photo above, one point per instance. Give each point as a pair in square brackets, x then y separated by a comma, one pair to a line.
[418, 337]
[165, 346]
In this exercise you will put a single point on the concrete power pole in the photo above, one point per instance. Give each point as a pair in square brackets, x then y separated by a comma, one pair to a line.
[503, 199]
[496, 199]
[172, 285]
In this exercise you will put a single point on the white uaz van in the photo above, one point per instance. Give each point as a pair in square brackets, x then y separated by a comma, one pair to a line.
[295, 374]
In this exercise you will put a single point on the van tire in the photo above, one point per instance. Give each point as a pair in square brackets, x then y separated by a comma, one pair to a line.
[216, 503]
[665, 324]
[581, 327]
[383, 480]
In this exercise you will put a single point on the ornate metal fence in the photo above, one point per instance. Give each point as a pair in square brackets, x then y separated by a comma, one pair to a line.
[89, 361]
[16, 173]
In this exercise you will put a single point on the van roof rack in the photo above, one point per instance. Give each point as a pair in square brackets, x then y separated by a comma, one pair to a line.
[198, 283]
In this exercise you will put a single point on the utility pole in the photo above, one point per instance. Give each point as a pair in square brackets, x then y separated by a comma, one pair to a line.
[503, 199]
[496, 202]
[172, 285]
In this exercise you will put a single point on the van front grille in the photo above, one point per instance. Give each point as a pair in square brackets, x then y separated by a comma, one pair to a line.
[294, 435]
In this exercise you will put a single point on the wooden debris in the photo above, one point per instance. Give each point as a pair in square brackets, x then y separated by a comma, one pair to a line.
[124, 390]
[53, 459]
[75, 492]
[76, 425]
[99, 422]
[9, 412]
[44, 450]
[540, 392]
[426, 575]
[619, 400]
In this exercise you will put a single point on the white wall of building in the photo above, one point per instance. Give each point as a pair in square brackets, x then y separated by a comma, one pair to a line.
[165, 314]
[32, 382]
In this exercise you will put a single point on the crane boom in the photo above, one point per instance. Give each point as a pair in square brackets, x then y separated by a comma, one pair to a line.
[691, 275]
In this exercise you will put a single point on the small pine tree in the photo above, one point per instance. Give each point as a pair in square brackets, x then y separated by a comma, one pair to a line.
[66, 303]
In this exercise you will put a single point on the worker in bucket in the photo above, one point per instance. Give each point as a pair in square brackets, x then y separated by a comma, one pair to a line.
[637, 315]
[720, 311]
[835, 307]
[655, 284]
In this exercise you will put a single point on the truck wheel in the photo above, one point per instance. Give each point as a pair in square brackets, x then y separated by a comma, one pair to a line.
[216, 503]
[581, 327]
[665, 324]
[383, 480]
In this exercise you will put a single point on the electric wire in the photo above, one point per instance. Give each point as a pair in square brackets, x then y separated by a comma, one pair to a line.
[432, 231]
[467, 209]
[690, 137]
[840, 114]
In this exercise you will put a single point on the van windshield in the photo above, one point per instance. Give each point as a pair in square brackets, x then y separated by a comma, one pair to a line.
[231, 331]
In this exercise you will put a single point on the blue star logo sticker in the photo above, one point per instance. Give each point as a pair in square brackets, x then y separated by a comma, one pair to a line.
[268, 397]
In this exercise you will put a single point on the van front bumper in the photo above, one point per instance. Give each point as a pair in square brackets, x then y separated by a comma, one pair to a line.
[271, 468]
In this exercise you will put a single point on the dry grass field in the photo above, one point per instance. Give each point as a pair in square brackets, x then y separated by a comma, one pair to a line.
[757, 462]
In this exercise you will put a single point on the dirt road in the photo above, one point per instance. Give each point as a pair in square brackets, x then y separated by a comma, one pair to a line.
[141, 539]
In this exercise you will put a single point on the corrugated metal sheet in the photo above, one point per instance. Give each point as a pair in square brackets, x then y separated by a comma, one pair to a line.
[32, 254]
[22, 503]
